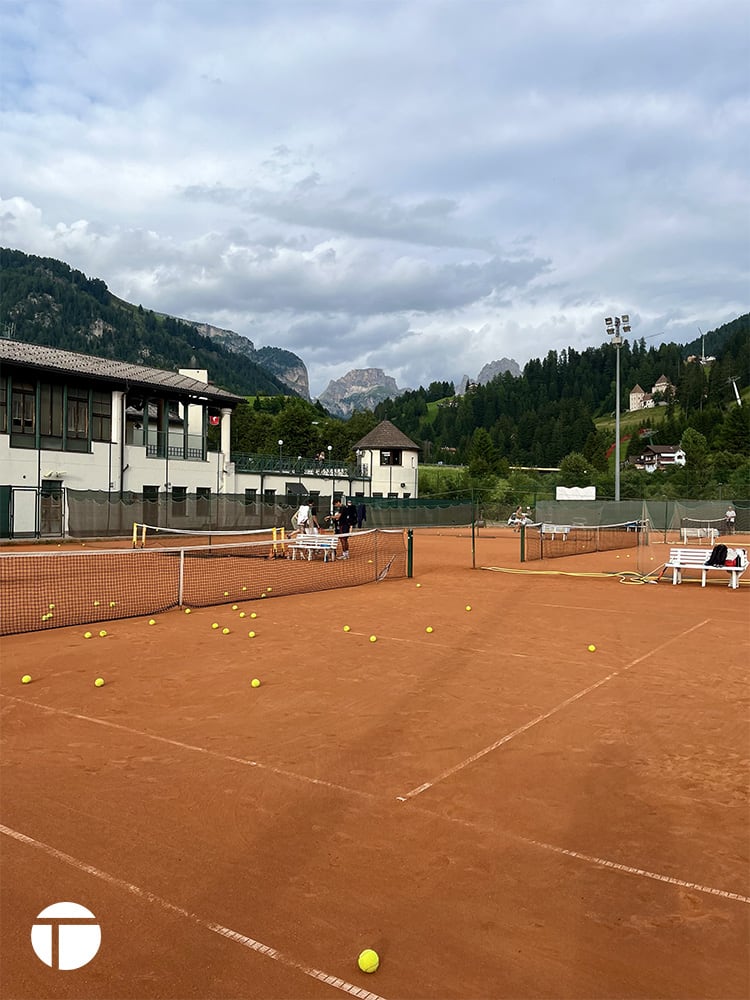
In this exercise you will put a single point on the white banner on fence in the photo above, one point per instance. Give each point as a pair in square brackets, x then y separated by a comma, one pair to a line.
[575, 493]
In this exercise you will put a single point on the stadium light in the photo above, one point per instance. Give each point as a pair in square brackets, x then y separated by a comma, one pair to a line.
[615, 326]
[281, 442]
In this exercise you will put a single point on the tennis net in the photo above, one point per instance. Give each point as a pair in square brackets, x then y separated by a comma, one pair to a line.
[42, 590]
[151, 535]
[709, 528]
[553, 541]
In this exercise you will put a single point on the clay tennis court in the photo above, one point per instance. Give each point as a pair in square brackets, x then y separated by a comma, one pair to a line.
[499, 812]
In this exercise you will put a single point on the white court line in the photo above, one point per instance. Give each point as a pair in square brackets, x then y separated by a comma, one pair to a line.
[209, 925]
[541, 718]
[191, 746]
[440, 645]
[589, 858]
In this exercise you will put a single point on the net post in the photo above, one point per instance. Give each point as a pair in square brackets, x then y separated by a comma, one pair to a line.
[135, 534]
[181, 584]
[523, 543]
[143, 536]
[410, 553]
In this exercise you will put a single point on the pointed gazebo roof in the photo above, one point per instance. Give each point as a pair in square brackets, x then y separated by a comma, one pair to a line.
[386, 435]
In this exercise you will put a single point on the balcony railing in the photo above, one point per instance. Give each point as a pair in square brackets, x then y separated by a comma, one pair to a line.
[286, 465]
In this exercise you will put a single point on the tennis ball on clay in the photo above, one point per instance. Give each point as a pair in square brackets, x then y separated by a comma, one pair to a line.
[242, 614]
[152, 621]
[103, 633]
[235, 607]
[226, 593]
[99, 682]
[215, 625]
[368, 960]
[253, 614]
[225, 631]
[26, 679]
[419, 584]
[113, 604]
[255, 682]
[251, 635]
[346, 628]
[86, 635]
[429, 628]
[373, 638]
[592, 648]
[244, 588]
[262, 595]
[187, 611]
[96, 604]
[468, 607]
[52, 607]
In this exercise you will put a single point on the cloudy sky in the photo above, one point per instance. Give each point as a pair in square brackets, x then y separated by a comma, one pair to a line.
[421, 186]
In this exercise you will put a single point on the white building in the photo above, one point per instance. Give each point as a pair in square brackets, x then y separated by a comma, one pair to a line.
[661, 392]
[98, 433]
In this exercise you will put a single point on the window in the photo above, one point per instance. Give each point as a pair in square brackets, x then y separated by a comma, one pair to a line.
[269, 496]
[251, 496]
[390, 456]
[77, 437]
[51, 399]
[151, 494]
[3, 404]
[203, 501]
[23, 416]
[101, 416]
[393, 496]
[179, 501]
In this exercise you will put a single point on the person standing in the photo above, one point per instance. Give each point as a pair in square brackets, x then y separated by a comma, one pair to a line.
[302, 518]
[729, 518]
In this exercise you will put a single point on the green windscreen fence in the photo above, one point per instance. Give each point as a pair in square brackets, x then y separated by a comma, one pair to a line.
[410, 512]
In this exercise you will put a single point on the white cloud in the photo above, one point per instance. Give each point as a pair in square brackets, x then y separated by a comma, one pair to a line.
[417, 187]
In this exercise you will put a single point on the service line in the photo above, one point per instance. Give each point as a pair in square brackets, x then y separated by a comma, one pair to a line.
[210, 925]
[541, 718]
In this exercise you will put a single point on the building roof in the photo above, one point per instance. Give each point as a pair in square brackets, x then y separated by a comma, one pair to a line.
[121, 373]
[662, 449]
[636, 388]
[386, 435]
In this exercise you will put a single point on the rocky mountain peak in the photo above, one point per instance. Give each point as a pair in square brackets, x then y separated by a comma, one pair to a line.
[359, 389]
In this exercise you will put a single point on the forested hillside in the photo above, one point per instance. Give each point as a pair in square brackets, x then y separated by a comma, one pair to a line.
[44, 301]
[550, 410]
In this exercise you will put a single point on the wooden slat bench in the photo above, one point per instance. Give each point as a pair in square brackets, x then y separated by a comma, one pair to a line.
[308, 545]
[680, 559]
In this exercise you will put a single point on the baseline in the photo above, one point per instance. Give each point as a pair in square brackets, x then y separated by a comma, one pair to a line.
[210, 925]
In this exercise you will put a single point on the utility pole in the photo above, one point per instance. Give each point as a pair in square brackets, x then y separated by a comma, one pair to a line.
[614, 328]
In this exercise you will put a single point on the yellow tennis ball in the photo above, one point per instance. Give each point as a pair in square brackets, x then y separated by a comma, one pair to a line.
[235, 607]
[255, 682]
[215, 625]
[251, 635]
[592, 648]
[86, 635]
[269, 589]
[373, 638]
[52, 607]
[262, 595]
[99, 682]
[253, 614]
[26, 679]
[225, 631]
[226, 593]
[96, 604]
[429, 628]
[419, 584]
[368, 960]
[152, 621]
[244, 588]
[103, 633]
[346, 628]
[113, 604]
[468, 607]
[242, 614]
[187, 611]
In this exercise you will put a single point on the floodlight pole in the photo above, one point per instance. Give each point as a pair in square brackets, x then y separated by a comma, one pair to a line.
[613, 327]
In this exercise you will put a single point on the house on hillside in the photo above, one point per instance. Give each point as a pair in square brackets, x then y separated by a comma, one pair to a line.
[661, 393]
[658, 456]
[89, 446]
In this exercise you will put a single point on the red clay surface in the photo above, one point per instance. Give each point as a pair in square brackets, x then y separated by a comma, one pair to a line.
[496, 810]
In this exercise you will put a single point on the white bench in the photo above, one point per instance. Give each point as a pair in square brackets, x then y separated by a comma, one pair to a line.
[680, 559]
[307, 545]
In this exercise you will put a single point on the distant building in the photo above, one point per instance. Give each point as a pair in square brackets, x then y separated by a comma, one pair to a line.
[391, 460]
[661, 393]
[658, 456]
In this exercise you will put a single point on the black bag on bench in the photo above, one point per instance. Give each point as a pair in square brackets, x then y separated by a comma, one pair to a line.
[718, 556]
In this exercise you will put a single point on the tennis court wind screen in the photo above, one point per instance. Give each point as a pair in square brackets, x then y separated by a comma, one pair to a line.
[553, 541]
[42, 590]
